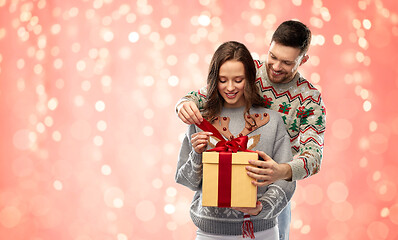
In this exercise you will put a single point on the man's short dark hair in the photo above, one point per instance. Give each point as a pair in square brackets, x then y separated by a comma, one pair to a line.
[293, 34]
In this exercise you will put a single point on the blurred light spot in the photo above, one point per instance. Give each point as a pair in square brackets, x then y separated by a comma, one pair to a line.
[337, 192]
[148, 131]
[81, 65]
[145, 29]
[145, 210]
[170, 39]
[316, 22]
[394, 214]
[148, 113]
[366, 24]
[107, 35]
[154, 37]
[305, 229]
[101, 125]
[356, 24]
[131, 17]
[172, 60]
[204, 20]
[171, 192]
[204, 2]
[100, 106]
[56, 136]
[367, 106]
[52, 104]
[86, 85]
[58, 63]
[257, 4]
[360, 57]
[118, 203]
[363, 43]
[255, 20]
[377, 230]
[98, 141]
[57, 185]
[342, 128]
[169, 209]
[113, 197]
[379, 143]
[384, 212]
[315, 78]
[376, 176]
[106, 170]
[165, 22]
[121, 236]
[315, 60]
[337, 39]
[48, 121]
[2, 33]
[372, 126]
[173, 81]
[78, 101]
[134, 37]
[386, 190]
[157, 183]
[297, 224]
[10, 216]
[149, 81]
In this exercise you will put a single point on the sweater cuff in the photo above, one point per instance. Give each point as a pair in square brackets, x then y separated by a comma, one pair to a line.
[299, 169]
[196, 159]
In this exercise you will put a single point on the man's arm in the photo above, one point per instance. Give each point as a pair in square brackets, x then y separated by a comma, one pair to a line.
[188, 107]
[312, 129]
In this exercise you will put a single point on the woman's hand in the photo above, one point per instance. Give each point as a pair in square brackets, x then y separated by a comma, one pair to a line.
[189, 113]
[268, 171]
[251, 211]
[200, 140]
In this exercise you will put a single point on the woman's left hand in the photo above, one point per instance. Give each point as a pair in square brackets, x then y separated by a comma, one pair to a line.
[251, 211]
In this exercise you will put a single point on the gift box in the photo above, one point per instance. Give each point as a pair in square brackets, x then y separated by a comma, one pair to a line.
[225, 181]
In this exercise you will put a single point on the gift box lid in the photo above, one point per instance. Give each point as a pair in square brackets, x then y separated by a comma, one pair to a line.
[237, 158]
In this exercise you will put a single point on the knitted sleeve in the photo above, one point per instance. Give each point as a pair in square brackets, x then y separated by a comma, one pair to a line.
[198, 97]
[311, 135]
[189, 166]
[279, 193]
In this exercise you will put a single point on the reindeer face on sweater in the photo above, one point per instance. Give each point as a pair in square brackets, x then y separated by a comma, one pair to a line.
[253, 122]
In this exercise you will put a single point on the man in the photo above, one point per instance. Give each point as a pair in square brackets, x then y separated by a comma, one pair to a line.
[298, 102]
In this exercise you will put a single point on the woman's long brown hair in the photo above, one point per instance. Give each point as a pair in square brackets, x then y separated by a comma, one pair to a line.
[225, 52]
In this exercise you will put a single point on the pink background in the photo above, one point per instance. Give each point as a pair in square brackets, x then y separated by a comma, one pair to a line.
[89, 137]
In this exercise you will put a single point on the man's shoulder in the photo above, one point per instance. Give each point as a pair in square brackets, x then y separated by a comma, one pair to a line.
[306, 86]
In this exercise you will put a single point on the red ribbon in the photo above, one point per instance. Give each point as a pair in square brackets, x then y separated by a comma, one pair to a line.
[226, 148]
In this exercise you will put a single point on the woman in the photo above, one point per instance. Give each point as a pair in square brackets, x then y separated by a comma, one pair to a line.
[235, 107]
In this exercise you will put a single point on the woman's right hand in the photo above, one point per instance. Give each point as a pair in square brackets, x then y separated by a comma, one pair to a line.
[200, 140]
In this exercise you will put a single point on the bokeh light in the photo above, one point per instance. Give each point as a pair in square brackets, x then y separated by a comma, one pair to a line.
[90, 138]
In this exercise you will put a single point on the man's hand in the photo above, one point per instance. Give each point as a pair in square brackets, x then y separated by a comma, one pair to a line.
[189, 113]
[268, 171]
[251, 211]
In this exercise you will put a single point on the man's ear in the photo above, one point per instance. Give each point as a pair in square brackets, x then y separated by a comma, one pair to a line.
[304, 60]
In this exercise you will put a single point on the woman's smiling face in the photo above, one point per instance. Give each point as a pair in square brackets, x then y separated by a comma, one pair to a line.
[231, 83]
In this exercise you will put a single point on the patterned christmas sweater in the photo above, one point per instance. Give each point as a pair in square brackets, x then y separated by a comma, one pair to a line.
[303, 112]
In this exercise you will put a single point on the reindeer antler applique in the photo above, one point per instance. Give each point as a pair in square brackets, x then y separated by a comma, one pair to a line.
[222, 125]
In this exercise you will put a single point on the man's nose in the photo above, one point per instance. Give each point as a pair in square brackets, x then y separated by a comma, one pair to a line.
[277, 66]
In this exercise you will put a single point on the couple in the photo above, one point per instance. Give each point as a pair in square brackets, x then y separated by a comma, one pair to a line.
[237, 90]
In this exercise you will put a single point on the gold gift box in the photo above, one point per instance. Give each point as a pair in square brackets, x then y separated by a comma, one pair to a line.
[243, 192]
